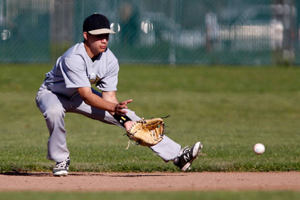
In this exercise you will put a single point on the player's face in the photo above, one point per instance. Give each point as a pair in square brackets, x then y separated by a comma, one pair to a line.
[97, 43]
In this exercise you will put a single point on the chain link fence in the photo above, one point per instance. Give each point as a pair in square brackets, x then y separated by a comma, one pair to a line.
[206, 32]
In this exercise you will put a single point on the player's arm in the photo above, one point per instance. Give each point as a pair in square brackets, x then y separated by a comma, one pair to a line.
[112, 97]
[104, 103]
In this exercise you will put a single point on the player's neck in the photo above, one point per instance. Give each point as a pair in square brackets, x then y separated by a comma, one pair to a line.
[95, 57]
[90, 53]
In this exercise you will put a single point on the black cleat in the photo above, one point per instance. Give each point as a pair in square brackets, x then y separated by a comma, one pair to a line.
[187, 156]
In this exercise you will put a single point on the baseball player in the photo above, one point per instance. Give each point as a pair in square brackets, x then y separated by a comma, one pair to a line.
[67, 88]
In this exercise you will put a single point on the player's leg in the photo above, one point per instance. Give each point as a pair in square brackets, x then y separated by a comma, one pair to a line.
[167, 149]
[53, 111]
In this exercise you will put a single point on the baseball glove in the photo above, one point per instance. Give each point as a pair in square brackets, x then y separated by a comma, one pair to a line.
[147, 132]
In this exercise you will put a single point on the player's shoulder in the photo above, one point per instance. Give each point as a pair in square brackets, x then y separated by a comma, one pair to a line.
[74, 57]
[76, 50]
[76, 53]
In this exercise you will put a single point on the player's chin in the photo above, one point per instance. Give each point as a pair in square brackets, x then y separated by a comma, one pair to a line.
[102, 49]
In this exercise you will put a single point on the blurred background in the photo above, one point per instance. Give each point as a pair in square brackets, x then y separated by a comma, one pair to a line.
[205, 32]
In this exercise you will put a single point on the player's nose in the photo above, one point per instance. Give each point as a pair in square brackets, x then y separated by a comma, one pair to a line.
[104, 40]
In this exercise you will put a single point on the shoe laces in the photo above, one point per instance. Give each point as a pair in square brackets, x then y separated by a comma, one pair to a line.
[183, 150]
[63, 164]
[186, 153]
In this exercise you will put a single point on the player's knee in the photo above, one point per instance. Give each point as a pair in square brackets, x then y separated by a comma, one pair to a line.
[54, 112]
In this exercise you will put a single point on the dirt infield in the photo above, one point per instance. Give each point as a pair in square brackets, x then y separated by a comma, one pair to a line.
[151, 181]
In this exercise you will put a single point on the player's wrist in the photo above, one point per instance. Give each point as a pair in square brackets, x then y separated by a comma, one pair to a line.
[128, 125]
[122, 119]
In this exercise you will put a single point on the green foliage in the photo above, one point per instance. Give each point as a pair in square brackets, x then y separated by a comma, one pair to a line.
[229, 109]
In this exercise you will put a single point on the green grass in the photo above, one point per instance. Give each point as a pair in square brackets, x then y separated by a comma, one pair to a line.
[229, 109]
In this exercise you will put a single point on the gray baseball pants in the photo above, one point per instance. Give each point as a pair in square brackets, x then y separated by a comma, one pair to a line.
[54, 107]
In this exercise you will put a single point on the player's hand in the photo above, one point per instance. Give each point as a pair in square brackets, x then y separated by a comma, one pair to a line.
[119, 109]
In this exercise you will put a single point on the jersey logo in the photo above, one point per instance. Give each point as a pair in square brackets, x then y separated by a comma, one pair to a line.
[93, 78]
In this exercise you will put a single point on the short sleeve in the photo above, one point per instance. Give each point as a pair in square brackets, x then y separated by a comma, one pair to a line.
[74, 73]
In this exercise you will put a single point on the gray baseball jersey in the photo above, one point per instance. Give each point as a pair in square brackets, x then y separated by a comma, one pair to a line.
[75, 69]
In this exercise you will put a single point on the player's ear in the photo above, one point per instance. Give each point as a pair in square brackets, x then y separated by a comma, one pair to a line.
[85, 35]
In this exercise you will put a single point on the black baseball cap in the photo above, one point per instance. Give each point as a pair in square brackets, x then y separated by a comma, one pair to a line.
[97, 24]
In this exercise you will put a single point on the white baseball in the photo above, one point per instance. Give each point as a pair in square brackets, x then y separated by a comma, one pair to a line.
[259, 148]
